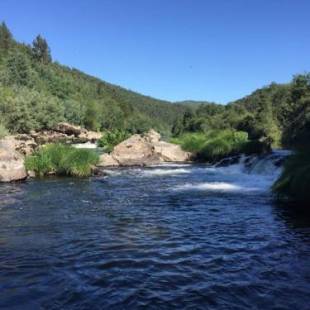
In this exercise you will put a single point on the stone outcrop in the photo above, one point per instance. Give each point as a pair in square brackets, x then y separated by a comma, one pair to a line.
[69, 129]
[25, 144]
[14, 148]
[144, 150]
[11, 162]
[77, 133]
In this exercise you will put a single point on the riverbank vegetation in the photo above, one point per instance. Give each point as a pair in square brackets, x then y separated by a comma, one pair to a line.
[294, 183]
[111, 138]
[60, 159]
[214, 144]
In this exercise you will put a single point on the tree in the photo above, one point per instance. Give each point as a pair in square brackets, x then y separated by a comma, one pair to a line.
[19, 71]
[91, 116]
[73, 111]
[177, 127]
[6, 37]
[41, 50]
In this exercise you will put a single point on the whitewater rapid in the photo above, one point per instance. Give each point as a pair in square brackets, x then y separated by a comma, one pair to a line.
[245, 174]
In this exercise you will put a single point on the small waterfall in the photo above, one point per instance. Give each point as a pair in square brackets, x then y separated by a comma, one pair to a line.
[256, 172]
[266, 164]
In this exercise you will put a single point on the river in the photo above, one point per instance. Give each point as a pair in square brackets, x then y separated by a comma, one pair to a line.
[165, 237]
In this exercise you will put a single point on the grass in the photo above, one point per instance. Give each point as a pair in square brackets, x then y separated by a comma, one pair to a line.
[294, 182]
[60, 159]
[213, 145]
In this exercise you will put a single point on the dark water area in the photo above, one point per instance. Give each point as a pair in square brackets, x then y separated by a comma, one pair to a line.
[173, 237]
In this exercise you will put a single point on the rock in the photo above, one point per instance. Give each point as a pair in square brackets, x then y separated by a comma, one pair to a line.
[50, 136]
[90, 136]
[133, 151]
[169, 152]
[25, 144]
[107, 160]
[152, 136]
[143, 151]
[69, 129]
[11, 163]
[66, 133]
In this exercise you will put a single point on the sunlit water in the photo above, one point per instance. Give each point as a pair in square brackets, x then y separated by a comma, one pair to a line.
[166, 237]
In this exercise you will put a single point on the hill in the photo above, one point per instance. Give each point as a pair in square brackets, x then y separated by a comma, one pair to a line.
[36, 92]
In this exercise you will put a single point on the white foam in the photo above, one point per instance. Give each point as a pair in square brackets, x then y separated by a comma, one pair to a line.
[159, 172]
[87, 145]
[217, 186]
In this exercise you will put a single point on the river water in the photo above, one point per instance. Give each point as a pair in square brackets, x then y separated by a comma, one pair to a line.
[165, 237]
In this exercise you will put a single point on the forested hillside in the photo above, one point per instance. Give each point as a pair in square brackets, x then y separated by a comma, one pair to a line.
[36, 92]
[278, 114]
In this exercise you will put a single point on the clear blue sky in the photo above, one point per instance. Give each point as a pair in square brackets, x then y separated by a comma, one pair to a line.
[217, 50]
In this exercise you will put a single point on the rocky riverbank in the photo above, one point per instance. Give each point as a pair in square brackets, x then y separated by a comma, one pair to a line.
[138, 150]
[14, 148]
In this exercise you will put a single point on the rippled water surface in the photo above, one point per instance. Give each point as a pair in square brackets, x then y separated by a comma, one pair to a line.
[173, 237]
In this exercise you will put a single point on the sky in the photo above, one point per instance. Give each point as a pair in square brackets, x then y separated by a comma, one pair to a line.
[214, 50]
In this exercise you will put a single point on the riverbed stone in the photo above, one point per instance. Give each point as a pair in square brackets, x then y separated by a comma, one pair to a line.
[11, 162]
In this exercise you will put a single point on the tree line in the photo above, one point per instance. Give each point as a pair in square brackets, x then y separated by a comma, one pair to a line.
[37, 92]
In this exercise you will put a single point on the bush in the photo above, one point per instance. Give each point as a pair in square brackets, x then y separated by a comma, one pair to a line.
[61, 159]
[3, 131]
[294, 182]
[213, 145]
[111, 139]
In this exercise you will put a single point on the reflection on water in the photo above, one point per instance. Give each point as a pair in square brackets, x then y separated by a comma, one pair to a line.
[180, 237]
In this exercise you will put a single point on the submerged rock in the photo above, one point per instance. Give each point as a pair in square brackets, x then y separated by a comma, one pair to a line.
[144, 150]
[11, 162]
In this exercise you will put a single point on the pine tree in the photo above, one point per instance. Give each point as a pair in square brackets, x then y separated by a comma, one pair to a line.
[6, 37]
[19, 70]
[41, 50]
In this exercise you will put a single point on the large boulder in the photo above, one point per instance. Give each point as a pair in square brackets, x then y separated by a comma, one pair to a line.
[144, 150]
[69, 129]
[133, 151]
[11, 162]
[107, 160]
[169, 152]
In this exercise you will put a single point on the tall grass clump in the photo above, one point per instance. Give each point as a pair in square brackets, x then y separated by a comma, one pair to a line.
[213, 145]
[111, 139]
[60, 159]
[294, 182]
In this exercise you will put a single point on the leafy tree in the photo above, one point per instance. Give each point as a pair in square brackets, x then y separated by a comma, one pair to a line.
[91, 120]
[41, 50]
[74, 111]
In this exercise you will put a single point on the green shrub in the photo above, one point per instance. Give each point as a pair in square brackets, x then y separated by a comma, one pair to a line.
[111, 139]
[214, 144]
[294, 182]
[3, 131]
[61, 159]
